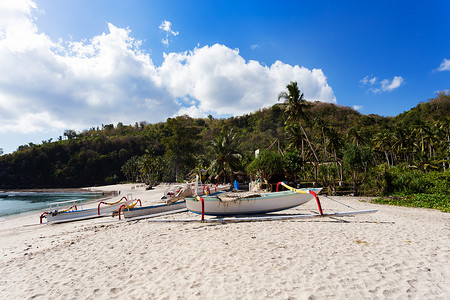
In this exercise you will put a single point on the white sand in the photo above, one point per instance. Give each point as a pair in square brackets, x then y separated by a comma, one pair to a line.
[396, 253]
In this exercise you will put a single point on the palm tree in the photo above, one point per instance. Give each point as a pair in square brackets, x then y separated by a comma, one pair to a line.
[383, 141]
[226, 158]
[294, 105]
[294, 137]
[421, 131]
[130, 169]
[356, 136]
[400, 143]
[442, 129]
[324, 128]
[147, 167]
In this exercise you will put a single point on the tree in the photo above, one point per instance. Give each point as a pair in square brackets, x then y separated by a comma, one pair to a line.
[180, 144]
[383, 141]
[70, 134]
[357, 159]
[294, 106]
[293, 165]
[267, 164]
[1, 151]
[356, 136]
[147, 167]
[226, 158]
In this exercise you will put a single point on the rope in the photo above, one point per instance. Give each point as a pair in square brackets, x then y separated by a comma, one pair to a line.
[339, 202]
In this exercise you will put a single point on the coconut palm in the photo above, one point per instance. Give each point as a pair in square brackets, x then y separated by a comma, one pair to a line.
[294, 105]
[356, 136]
[383, 142]
[294, 137]
[226, 158]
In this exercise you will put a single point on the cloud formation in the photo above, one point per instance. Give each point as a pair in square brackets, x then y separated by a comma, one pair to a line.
[444, 66]
[166, 26]
[223, 82]
[377, 86]
[108, 79]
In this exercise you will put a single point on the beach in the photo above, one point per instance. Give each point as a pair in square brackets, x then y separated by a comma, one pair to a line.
[396, 253]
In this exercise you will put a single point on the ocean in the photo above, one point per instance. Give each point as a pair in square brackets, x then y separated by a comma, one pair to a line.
[13, 203]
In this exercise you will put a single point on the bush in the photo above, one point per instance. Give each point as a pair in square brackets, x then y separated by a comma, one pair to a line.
[434, 201]
[415, 188]
[266, 165]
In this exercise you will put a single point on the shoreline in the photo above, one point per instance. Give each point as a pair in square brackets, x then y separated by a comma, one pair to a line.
[47, 190]
[398, 252]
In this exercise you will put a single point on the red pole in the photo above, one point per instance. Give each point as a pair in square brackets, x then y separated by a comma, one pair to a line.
[318, 202]
[203, 208]
[120, 208]
[278, 185]
[99, 207]
[42, 216]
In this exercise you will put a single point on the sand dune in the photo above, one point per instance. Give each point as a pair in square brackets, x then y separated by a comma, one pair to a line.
[395, 253]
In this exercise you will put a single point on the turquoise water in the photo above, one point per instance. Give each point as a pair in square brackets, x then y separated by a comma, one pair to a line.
[13, 203]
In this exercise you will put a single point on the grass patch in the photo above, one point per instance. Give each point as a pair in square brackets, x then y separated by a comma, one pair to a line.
[435, 201]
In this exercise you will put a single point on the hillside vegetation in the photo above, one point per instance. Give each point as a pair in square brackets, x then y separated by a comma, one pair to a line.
[312, 143]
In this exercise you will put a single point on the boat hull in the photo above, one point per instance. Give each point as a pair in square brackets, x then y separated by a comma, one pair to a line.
[267, 202]
[150, 210]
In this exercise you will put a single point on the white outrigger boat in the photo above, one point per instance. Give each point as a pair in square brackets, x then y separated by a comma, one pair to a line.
[55, 215]
[243, 203]
[257, 204]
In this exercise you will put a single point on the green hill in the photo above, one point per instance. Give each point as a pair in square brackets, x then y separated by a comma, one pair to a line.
[174, 148]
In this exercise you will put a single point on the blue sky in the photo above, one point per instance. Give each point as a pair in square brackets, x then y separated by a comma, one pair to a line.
[80, 64]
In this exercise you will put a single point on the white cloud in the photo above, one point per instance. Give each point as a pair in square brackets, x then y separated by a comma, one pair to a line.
[358, 107]
[388, 86]
[367, 80]
[166, 26]
[223, 82]
[108, 79]
[385, 85]
[444, 66]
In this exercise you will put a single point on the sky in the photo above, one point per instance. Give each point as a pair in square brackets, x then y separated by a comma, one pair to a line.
[81, 64]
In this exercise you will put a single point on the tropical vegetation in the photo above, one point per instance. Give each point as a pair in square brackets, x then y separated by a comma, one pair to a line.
[401, 158]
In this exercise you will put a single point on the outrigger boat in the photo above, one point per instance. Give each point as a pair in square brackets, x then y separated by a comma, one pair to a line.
[268, 202]
[55, 215]
[243, 203]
